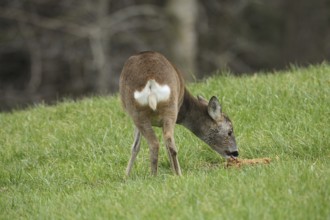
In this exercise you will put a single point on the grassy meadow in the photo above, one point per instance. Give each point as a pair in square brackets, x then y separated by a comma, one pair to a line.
[68, 161]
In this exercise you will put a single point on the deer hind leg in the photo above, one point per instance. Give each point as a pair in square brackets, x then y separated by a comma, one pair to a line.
[135, 150]
[149, 134]
[168, 134]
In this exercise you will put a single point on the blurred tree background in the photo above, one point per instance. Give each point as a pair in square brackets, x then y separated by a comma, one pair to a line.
[51, 49]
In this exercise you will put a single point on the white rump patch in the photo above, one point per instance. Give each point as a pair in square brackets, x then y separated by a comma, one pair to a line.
[160, 92]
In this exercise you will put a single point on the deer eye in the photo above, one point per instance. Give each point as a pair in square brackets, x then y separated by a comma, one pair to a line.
[230, 132]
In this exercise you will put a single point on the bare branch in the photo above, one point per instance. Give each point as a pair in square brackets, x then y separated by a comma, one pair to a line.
[43, 22]
[129, 12]
[108, 22]
[35, 57]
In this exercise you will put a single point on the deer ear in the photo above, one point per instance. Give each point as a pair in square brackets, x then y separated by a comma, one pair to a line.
[214, 108]
[201, 99]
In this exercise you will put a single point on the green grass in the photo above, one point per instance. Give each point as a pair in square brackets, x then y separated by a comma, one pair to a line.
[68, 161]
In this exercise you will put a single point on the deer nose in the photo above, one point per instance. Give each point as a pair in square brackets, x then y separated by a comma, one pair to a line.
[234, 154]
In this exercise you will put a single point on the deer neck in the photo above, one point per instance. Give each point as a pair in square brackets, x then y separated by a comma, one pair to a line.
[191, 113]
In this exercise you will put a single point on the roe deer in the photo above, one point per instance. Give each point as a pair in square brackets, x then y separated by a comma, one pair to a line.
[152, 91]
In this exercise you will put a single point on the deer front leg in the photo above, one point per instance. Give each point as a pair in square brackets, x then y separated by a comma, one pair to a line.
[135, 150]
[168, 133]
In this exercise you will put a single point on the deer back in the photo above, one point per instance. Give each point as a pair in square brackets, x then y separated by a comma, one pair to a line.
[149, 81]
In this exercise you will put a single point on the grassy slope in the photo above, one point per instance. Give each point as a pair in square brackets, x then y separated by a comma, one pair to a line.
[68, 161]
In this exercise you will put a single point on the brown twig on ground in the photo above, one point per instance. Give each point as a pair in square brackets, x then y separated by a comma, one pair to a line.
[235, 162]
